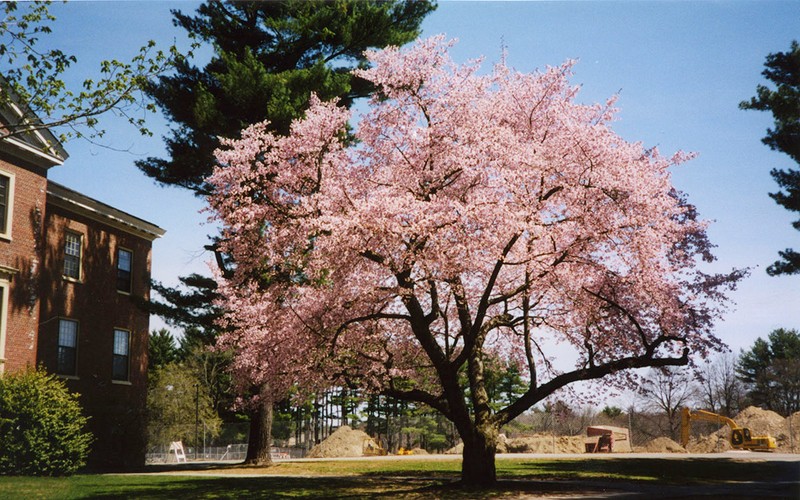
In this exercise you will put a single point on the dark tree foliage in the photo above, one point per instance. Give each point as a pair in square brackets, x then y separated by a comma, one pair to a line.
[771, 370]
[611, 411]
[162, 349]
[504, 382]
[269, 57]
[783, 101]
[190, 307]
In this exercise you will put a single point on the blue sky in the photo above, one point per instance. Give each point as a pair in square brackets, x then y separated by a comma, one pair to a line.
[680, 68]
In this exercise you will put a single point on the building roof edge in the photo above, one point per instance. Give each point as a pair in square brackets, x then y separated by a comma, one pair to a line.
[74, 201]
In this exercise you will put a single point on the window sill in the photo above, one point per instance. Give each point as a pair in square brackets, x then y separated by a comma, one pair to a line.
[71, 279]
[122, 292]
[121, 382]
[68, 377]
[6, 237]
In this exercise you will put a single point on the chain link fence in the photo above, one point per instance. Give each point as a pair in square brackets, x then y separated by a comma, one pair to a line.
[229, 446]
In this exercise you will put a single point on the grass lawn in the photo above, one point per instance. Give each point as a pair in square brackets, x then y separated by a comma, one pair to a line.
[403, 479]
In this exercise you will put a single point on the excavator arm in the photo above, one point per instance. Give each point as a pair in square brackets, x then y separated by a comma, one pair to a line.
[740, 437]
[686, 422]
[707, 416]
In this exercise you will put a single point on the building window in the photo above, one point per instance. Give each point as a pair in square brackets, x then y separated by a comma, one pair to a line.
[67, 347]
[119, 369]
[72, 255]
[124, 263]
[6, 203]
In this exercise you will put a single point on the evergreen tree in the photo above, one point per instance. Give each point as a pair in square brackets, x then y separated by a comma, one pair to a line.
[268, 59]
[162, 349]
[771, 370]
[783, 70]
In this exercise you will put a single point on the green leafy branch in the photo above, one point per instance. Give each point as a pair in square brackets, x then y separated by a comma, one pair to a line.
[33, 84]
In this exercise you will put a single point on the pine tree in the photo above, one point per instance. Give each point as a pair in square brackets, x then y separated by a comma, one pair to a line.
[783, 70]
[269, 57]
[771, 371]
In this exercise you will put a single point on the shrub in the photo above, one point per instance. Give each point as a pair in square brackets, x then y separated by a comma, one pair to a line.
[41, 426]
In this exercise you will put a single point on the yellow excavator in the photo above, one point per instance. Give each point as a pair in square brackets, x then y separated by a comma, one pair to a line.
[740, 437]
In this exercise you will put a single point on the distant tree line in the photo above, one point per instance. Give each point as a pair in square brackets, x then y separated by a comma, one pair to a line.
[767, 375]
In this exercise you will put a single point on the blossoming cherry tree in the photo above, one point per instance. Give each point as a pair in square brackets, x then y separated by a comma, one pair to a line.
[471, 215]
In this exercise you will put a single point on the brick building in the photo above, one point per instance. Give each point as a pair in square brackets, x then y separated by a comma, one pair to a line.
[72, 270]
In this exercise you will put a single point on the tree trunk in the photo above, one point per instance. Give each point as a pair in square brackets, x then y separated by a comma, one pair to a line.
[259, 442]
[477, 466]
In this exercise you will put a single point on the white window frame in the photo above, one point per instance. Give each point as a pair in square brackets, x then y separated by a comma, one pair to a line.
[127, 379]
[5, 289]
[6, 235]
[130, 271]
[77, 324]
[80, 256]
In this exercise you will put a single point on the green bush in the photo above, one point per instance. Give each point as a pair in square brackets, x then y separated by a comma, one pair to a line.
[41, 426]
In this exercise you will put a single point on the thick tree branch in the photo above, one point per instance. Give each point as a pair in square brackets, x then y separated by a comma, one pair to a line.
[536, 394]
[484, 303]
[625, 312]
[418, 320]
[361, 319]
[419, 396]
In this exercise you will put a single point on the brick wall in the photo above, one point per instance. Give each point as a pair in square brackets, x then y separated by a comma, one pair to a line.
[20, 262]
[116, 407]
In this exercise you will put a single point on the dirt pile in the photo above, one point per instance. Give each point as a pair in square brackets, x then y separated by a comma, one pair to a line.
[786, 431]
[456, 450]
[543, 443]
[789, 440]
[716, 442]
[344, 442]
[768, 423]
[537, 443]
[761, 422]
[662, 445]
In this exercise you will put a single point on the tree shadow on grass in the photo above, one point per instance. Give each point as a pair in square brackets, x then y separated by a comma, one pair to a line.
[170, 487]
[657, 478]
[351, 487]
[679, 470]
